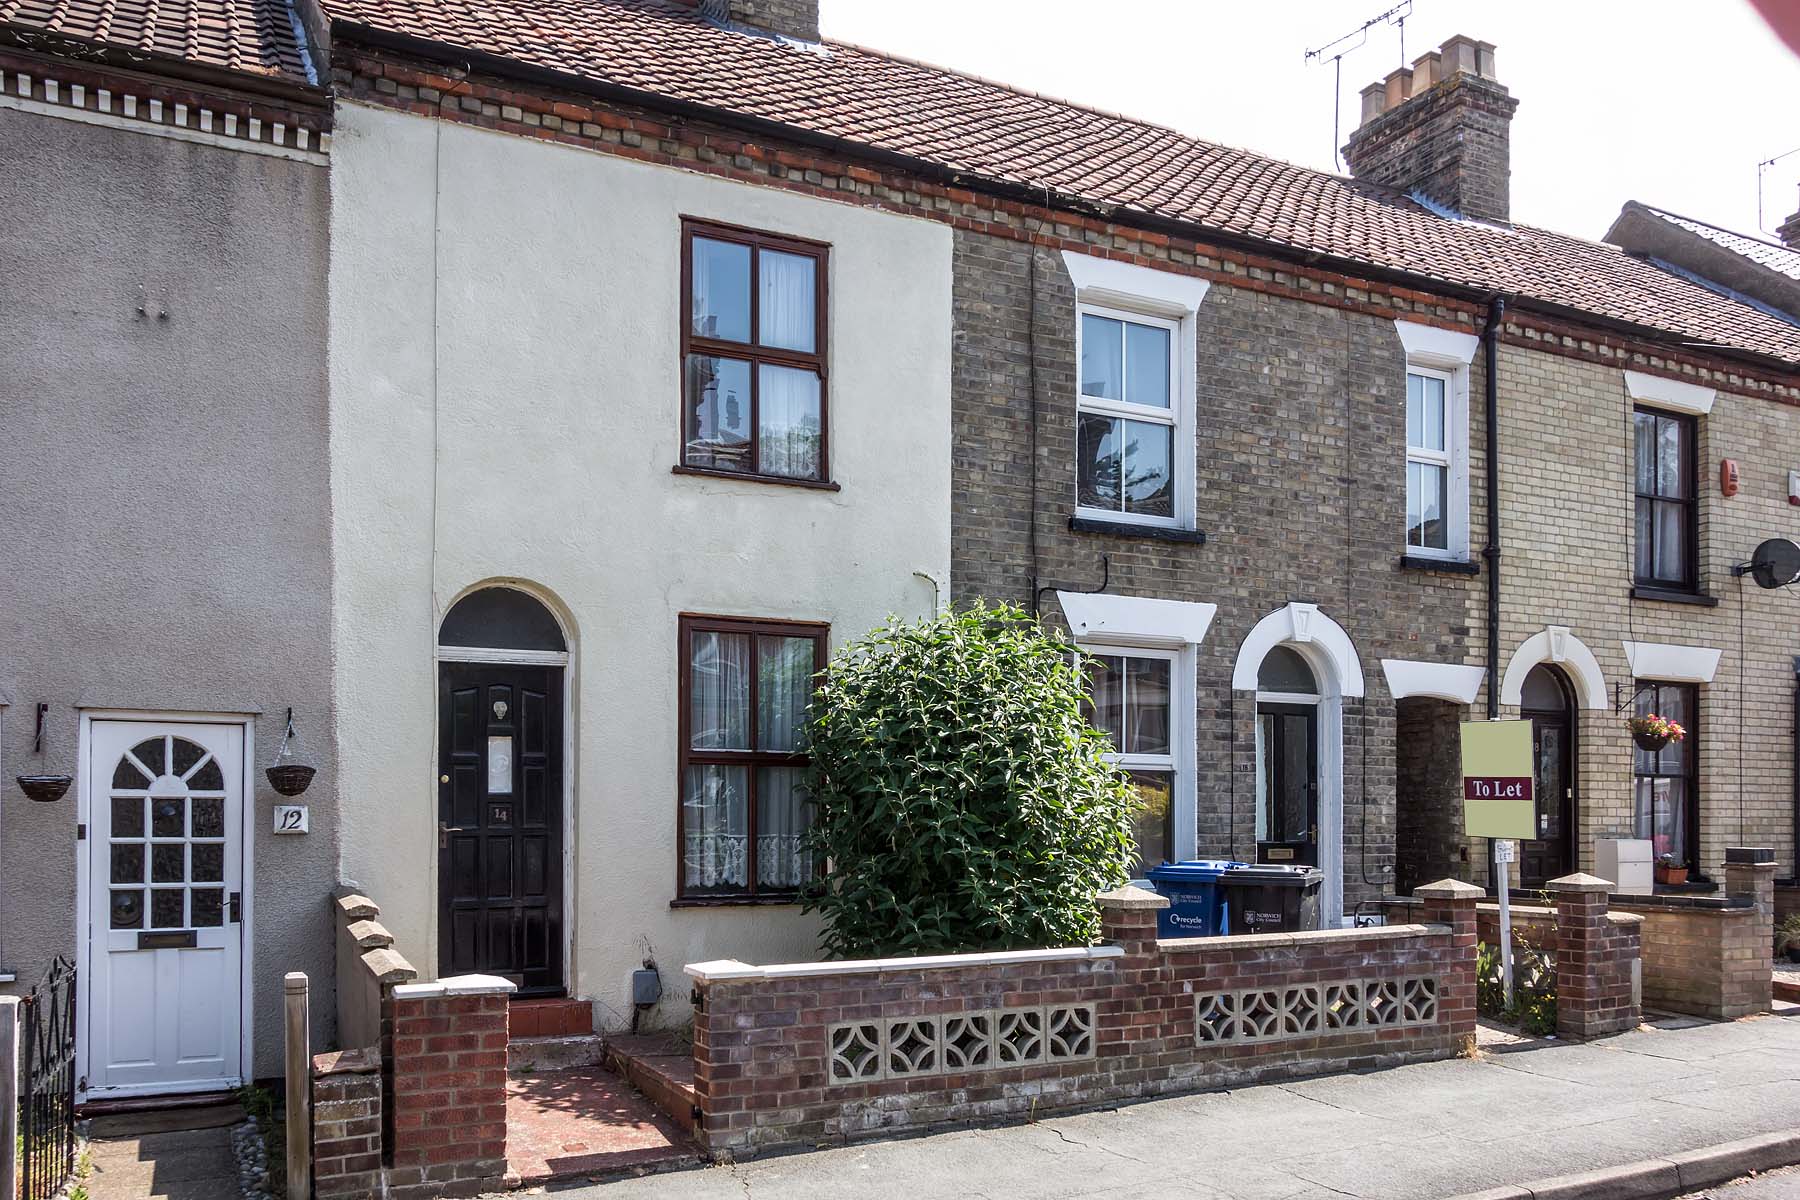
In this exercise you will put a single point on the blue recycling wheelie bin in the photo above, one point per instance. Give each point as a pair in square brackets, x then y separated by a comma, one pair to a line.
[1196, 903]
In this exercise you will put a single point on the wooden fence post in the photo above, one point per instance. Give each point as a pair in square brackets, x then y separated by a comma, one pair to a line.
[299, 1087]
[9, 1096]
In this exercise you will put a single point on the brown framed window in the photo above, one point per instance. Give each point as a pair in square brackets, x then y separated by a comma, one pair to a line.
[753, 354]
[1667, 513]
[745, 687]
[1666, 782]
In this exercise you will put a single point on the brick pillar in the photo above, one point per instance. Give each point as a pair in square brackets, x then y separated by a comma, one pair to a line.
[1596, 961]
[1128, 921]
[1749, 945]
[445, 1057]
[1452, 902]
[722, 1057]
[346, 1094]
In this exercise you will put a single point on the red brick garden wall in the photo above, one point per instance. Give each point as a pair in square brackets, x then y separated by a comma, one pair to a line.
[444, 1059]
[830, 1051]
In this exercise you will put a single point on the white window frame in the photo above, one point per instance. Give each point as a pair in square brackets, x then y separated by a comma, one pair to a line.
[1179, 761]
[1442, 354]
[1147, 296]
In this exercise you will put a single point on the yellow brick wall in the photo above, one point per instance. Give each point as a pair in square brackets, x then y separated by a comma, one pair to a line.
[1566, 507]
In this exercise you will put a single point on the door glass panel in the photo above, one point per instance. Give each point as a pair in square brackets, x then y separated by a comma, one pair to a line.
[1265, 747]
[152, 754]
[209, 817]
[166, 908]
[127, 864]
[168, 864]
[719, 718]
[208, 863]
[1283, 670]
[1549, 781]
[1293, 792]
[186, 756]
[127, 777]
[127, 817]
[128, 908]
[209, 907]
[208, 778]
[500, 765]
[168, 817]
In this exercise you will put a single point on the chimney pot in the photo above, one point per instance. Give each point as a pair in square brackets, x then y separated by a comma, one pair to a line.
[1374, 102]
[1399, 87]
[1427, 70]
[1789, 231]
[1460, 54]
[1484, 59]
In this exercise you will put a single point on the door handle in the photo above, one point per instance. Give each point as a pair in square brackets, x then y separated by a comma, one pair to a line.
[444, 832]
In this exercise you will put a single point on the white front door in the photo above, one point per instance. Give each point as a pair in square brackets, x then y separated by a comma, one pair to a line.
[165, 952]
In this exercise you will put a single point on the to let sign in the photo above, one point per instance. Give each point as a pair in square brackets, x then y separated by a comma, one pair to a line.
[1497, 769]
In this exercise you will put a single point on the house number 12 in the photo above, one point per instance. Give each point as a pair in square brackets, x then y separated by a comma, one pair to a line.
[290, 818]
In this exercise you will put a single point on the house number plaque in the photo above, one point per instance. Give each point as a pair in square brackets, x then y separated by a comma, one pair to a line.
[291, 818]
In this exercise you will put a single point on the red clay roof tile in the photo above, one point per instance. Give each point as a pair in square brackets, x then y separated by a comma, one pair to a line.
[253, 36]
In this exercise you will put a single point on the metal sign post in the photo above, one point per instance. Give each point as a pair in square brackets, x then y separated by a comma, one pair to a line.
[1498, 805]
[1505, 851]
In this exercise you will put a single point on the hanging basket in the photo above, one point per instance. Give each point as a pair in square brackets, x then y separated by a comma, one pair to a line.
[45, 789]
[290, 779]
[1651, 742]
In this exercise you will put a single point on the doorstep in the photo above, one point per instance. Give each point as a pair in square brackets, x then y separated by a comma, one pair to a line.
[554, 1017]
[659, 1067]
[586, 1122]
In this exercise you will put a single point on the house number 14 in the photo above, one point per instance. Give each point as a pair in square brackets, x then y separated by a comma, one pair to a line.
[290, 818]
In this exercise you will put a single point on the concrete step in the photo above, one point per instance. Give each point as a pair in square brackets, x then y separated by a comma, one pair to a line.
[660, 1068]
[534, 1055]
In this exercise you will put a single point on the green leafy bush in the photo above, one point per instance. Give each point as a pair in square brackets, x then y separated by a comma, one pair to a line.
[963, 801]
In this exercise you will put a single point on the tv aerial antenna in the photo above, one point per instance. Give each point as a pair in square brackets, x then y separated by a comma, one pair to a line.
[1762, 171]
[1355, 40]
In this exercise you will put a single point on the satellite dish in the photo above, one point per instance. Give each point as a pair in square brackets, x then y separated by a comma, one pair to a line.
[1776, 563]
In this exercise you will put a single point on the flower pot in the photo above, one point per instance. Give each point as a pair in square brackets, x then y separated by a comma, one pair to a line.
[1651, 742]
[45, 788]
[290, 779]
[1670, 875]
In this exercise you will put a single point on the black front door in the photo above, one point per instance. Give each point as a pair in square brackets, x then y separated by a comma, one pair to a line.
[500, 823]
[1287, 784]
[1551, 854]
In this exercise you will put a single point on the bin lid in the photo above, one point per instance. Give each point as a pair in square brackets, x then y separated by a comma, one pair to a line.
[1197, 870]
[1277, 873]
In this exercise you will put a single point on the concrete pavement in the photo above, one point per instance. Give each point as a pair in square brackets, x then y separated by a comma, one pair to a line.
[1510, 1116]
[1776, 1185]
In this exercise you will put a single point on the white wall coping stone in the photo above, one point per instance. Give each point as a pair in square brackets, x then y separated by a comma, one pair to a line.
[1313, 937]
[730, 970]
[1670, 393]
[1676, 664]
[456, 985]
[1136, 620]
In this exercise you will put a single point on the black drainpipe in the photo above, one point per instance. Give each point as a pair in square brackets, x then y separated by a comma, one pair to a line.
[1490, 338]
[1794, 867]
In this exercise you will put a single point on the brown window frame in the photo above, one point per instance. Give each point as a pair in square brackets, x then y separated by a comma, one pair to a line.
[1690, 815]
[1690, 524]
[693, 343]
[690, 624]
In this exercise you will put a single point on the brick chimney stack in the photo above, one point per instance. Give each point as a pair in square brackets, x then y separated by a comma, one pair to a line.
[1441, 128]
[790, 18]
[1789, 231]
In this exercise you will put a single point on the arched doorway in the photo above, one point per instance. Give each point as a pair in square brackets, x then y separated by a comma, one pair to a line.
[502, 662]
[1547, 700]
[1287, 759]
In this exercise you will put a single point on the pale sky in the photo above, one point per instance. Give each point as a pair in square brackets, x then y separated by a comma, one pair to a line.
[1668, 103]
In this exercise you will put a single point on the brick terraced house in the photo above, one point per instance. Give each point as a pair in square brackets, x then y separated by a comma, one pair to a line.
[1223, 418]
[671, 346]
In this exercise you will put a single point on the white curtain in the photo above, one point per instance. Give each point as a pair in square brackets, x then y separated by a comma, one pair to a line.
[784, 684]
[781, 820]
[786, 304]
[715, 826]
[719, 685]
[788, 406]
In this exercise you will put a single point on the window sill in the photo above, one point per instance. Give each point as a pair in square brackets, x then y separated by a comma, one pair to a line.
[1673, 596]
[1449, 566]
[734, 901]
[816, 485]
[1157, 533]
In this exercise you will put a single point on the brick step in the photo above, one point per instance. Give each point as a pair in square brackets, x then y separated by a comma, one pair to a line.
[534, 1055]
[549, 1018]
[660, 1068]
[1787, 990]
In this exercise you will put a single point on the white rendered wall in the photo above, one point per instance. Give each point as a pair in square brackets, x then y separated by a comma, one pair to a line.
[536, 444]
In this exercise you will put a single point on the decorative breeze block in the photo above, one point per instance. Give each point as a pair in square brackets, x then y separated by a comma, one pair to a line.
[908, 1047]
[1309, 1010]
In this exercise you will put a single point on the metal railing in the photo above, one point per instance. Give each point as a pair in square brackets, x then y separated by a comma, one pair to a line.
[47, 1083]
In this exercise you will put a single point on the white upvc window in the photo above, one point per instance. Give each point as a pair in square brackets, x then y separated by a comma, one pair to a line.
[1135, 335]
[1142, 700]
[1129, 416]
[1437, 441]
